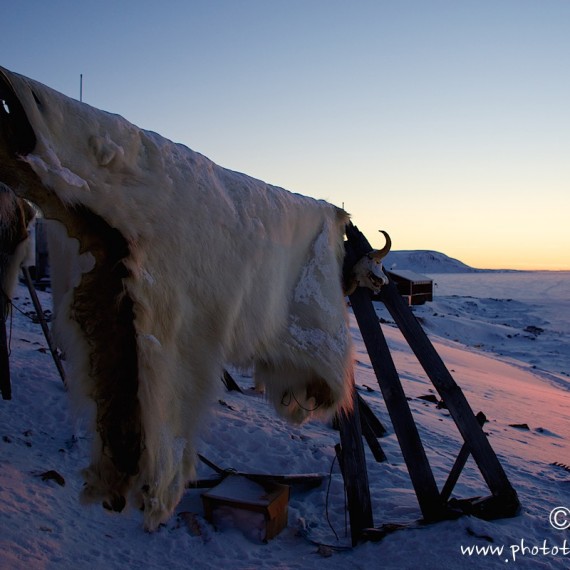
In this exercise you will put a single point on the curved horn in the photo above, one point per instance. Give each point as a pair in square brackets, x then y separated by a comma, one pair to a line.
[382, 253]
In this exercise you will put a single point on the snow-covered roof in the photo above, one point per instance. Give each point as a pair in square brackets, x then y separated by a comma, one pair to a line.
[410, 275]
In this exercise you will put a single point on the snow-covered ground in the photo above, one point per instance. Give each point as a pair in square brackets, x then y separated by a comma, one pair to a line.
[525, 315]
[503, 336]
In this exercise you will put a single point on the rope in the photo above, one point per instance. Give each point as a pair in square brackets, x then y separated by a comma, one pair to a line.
[22, 312]
[327, 499]
[306, 534]
[11, 304]
[292, 397]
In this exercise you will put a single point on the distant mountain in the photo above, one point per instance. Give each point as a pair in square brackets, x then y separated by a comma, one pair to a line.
[425, 261]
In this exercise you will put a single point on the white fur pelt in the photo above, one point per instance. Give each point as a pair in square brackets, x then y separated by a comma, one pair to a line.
[66, 267]
[15, 217]
[221, 268]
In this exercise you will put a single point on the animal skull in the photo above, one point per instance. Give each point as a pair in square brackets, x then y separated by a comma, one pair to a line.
[368, 271]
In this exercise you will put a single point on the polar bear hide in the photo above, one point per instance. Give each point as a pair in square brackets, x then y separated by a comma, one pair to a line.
[193, 266]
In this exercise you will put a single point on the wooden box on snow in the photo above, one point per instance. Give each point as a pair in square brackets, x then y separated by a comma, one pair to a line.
[260, 510]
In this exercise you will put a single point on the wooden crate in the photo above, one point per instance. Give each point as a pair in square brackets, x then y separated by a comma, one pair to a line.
[258, 509]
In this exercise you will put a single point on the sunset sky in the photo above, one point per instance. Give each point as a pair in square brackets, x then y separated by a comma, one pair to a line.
[446, 123]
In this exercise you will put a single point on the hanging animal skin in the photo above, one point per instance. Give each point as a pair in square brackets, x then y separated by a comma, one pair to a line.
[187, 266]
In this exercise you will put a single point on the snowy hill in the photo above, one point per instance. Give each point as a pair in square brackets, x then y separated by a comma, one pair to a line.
[426, 261]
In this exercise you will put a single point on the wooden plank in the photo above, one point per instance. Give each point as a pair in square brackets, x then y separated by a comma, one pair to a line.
[452, 395]
[459, 465]
[5, 383]
[406, 430]
[355, 474]
[372, 429]
[301, 480]
[43, 323]
[372, 440]
[366, 414]
[230, 383]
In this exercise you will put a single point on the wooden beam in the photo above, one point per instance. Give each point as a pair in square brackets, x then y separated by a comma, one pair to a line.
[354, 472]
[366, 414]
[403, 422]
[372, 439]
[230, 383]
[459, 465]
[43, 323]
[406, 430]
[303, 480]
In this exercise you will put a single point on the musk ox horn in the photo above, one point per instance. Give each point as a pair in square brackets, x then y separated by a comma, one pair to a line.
[379, 254]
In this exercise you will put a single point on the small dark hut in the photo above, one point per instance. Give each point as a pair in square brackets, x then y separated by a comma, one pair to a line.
[414, 287]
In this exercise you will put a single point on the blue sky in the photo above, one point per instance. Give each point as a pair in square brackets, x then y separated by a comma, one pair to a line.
[446, 123]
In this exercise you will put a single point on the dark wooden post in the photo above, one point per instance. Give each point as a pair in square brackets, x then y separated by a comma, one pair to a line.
[366, 414]
[43, 323]
[372, 429]
[5, 384]
[406, 430]
[459, 465]
[230, 383]
[354, 472]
